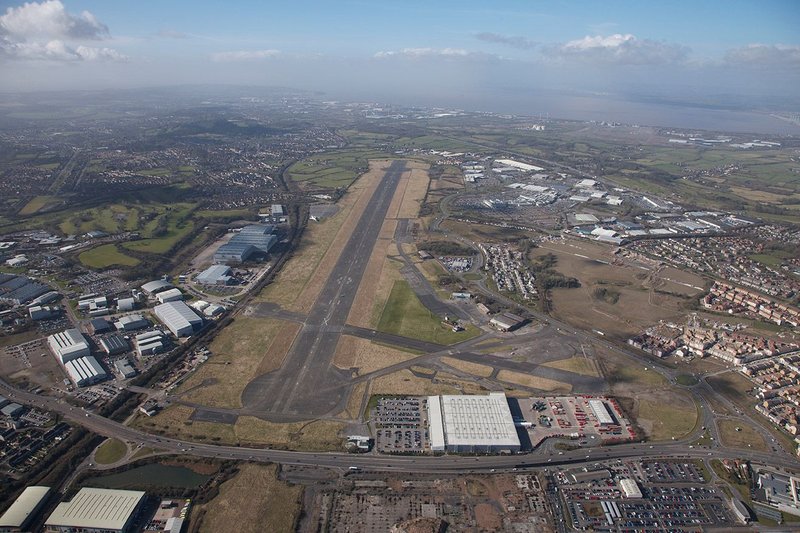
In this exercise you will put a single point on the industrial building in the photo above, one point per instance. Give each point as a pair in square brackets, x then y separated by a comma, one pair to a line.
[506, 321]
[248, 241]
[600, 410]
[178, 318]
[154, 287]
[19, 290]
[84, 371]
[24, 509]
[630, 488]
[69, 344]
[150, 343]
[125, 304]
[131, 323]
[215, 275]
[96, 511]
[169, 295]
[471, 424]
[114, 344]
[124, 367]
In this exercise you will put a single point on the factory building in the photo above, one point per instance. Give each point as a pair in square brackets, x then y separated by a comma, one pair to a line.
[215, 275]
[124, 367]
[150, 343]
[169, 295]
[600, 410]
[69, 344]
[154, 287]
[125, 304]
[96, 511]
[114, 344]
[248, 241]
[19, 290]
[131, 323]
[178, 318]
[24, 509]
[630, 488]
[85, 371]
[471, 424]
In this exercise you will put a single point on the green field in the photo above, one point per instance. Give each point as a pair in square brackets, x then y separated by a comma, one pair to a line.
[333, 169]
[110, 452]
[164, 230]
[405, 315]
[105, 256]
[35, 205]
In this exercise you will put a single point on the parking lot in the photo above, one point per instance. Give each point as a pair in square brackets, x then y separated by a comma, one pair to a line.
[572, 417]
[680, 499]
[401, 425]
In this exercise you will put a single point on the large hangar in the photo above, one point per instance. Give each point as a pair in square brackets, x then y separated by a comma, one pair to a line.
[178, 318]
[471, 424]
[249, 240]
[96, 511]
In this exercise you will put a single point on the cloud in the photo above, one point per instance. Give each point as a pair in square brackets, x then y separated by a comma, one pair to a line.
[46, 31]
[618, 49]
[244, 55]
[49, 20]
[513, 41]
[764, 56]
[171, 34]
[57, 50]
[425, 53]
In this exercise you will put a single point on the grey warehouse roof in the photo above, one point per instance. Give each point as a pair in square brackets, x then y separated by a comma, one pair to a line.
[20, 511]
[152, 287]
[97, 509]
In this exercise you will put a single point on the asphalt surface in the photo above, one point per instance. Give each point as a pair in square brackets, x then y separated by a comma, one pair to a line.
[296, 388]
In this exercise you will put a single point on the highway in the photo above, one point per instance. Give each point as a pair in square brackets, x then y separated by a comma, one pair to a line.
[411, 464]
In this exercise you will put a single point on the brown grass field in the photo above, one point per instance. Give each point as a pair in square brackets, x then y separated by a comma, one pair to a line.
[403, 382]
[243, 350]
[535, 382]
[272, 505]
[636, 291]
[475, 369]
[366, 356]
[578, 365]
[746, 435]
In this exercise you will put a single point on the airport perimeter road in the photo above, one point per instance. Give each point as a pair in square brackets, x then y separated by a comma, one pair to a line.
[411, 464]
[306, 384]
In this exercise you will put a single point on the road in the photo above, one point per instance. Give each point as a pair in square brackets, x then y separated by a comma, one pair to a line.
[295, 388]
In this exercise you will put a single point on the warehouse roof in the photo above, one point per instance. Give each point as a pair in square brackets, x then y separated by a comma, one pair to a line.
[177, 315]
[213, 274]
[24, 506]
[261, 229]
[97, 509]
[152, 287]
[476, 420]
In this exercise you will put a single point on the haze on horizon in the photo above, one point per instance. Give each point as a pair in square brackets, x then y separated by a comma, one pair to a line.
[742, 55]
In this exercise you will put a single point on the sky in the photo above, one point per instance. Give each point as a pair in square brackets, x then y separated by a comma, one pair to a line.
[465, 51]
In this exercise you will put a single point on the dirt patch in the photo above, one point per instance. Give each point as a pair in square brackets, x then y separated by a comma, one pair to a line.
[403, 382]
[578, 365]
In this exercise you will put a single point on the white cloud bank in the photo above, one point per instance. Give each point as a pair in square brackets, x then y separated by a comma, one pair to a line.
[46, 31]
[765, 56]
[244, 55]
[624, 49]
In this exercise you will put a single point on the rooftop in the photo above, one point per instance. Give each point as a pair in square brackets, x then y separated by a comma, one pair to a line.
[97, 509]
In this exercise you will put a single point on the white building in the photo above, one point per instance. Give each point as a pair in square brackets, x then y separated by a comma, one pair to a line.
[170, 295]
[85, 371]
[19, 515]
[178, 318]
[96, 510]
[131, 323]
[600, 411]
[630, 488]
[69, 344]
[471, 424]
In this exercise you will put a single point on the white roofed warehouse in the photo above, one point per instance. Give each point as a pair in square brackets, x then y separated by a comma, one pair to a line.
[178, 318]
[69, 344]
[96, 511]
[18, 517]
[472, 424]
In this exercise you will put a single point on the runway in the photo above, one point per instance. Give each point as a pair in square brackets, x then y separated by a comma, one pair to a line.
[308, 385]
